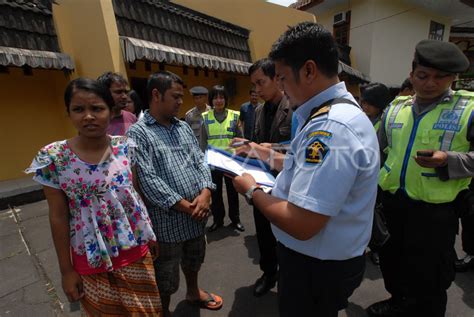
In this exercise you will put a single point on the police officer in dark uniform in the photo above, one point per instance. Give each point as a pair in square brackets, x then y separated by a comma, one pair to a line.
[427, 141]
[194, 116]
[467, 238]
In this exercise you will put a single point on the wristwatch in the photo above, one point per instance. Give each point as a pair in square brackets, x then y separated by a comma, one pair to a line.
[249, 193]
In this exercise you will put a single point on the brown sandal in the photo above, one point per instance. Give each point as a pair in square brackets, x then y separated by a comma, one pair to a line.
[207, 303]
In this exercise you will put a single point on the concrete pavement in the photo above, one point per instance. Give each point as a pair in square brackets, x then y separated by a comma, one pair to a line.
[31, 283]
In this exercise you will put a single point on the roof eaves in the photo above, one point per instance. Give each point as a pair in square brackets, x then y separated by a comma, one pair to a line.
[203, 18]
[11, 56]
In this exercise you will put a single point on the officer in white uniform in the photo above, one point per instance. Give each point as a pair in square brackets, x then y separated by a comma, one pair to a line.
[321, 207]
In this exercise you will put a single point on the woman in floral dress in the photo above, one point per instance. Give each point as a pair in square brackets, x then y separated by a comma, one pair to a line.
[100, 226]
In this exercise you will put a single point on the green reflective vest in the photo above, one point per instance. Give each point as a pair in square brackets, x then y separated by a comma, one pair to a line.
[219, 135]
[377, 125]
[443, 128]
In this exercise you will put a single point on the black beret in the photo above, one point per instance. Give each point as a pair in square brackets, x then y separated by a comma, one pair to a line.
[444, 56]
[198, 90]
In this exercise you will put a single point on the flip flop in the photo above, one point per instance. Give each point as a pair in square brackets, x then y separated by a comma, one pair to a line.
[206, 303]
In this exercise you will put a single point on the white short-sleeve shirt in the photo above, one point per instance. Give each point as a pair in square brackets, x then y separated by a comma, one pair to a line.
[332, 169]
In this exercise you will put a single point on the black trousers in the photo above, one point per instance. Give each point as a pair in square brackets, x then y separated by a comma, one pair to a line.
[217, 205]
[467, 234]
[311, 287]
[417, 262]
[267, 244]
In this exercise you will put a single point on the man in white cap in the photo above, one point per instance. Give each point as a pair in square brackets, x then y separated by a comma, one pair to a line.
[193, 117]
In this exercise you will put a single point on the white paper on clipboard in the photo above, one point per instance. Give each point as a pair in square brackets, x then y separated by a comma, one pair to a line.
[218, 160]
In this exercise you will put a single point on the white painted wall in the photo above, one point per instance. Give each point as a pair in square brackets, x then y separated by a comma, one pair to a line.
[399, 28]
[383, 35]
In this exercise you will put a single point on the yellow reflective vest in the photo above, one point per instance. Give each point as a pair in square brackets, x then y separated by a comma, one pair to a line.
[219, 135]
[377, 125]
[443, 128]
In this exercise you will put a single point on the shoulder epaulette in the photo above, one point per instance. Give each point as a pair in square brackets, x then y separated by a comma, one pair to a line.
[321, 111]
[401, 99]
[464, 93]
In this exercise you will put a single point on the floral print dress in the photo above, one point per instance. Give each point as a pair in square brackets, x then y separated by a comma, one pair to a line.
[106, 213]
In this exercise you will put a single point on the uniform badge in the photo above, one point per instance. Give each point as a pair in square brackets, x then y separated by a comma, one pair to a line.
[316, 152]
[395, 125]
[449, 121]
[319, 133]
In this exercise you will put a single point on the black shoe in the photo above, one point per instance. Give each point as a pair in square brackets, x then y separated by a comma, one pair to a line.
[264, 284]
[464, 264]
[215, 226]
[374, 257]
[238, 226]
[385, 308]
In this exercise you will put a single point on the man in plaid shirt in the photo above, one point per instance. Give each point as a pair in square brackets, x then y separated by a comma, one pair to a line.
[176, 185]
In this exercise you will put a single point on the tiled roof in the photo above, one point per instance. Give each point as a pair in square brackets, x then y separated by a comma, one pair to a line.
[28, 37]
[28, 25]
[300, 4]
[176, 26]
[353, 73]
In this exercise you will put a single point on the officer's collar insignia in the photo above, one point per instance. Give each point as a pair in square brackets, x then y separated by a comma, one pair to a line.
[319, 133]
[448, 98]
[316, 152]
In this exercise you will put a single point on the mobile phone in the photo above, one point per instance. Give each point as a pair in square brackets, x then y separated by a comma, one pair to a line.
[424, 153]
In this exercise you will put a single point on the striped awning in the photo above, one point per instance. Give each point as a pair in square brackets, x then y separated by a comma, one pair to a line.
[135, 49]
[12, 56]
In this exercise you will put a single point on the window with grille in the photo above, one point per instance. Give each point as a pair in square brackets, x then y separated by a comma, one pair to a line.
[341, 30]
[436, 31]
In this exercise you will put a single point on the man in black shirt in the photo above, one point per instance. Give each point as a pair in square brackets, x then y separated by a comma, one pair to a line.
[272, 125]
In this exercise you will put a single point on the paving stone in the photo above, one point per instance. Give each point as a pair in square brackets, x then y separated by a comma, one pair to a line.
[37, 233]
[7, 223]
[11, 245]
[49, 263]
[16, 272]
[32, 299]
[230, 270]
[33, 210]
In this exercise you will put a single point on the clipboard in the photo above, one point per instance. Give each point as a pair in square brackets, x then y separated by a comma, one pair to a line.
[236, 165]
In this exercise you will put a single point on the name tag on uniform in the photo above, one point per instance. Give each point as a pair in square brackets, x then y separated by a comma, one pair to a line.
[395, 125]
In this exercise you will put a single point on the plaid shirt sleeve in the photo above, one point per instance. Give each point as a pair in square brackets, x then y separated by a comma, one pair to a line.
[155, 190]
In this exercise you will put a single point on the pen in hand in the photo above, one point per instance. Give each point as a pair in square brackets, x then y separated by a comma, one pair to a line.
[237, 144]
